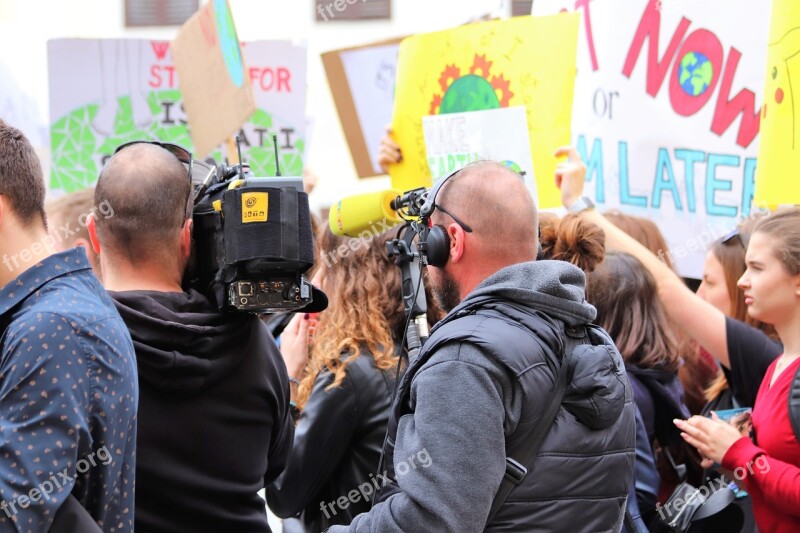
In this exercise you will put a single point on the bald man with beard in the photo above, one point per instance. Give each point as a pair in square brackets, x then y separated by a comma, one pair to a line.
[481, 382]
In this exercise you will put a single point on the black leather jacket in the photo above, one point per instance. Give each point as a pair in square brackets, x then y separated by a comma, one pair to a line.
[337, 446]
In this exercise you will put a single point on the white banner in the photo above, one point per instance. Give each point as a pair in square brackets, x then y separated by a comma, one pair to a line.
[666, 113]
[454, 140]
[104, 92]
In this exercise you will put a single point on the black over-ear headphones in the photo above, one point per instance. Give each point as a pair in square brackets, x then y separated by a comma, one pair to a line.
[435, 241]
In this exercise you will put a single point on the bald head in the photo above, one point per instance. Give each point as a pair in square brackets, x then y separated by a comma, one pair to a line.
[494, 201]
[147, 187]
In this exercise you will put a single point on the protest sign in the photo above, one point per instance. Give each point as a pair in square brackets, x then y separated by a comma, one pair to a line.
[127, 89]
[456, 139]
[362, 82]
[217, 95]
[523, 61]
[666, 115]
[779, 144]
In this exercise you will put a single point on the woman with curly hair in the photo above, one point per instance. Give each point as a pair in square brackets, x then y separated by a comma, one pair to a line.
[342, 373]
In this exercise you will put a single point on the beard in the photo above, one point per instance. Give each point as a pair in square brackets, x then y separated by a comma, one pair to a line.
[446, 292]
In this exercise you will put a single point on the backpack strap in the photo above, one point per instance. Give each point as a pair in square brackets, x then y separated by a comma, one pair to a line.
[794, 405]
[517, 470]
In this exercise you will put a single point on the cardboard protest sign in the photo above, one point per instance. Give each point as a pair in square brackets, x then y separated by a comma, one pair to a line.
[217, 94]
[779, 144]
[127, 89]
[523, 61]
[362, 81]
[457, 139]
[666, 116]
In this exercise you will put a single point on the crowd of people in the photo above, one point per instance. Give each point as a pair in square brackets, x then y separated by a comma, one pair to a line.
[572, 381]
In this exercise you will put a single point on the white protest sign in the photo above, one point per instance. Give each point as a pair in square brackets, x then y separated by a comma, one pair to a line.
[104, 92]
[454, 140]
[666, 112]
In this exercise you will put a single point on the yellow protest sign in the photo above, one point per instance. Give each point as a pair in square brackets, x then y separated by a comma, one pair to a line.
[779, 144]
[523, 61]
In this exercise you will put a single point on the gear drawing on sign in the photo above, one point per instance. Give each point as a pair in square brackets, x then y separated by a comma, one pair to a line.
[475, 91]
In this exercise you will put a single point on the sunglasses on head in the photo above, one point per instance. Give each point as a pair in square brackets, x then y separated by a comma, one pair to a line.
[183, 155]
[736, 234]
[458, 221]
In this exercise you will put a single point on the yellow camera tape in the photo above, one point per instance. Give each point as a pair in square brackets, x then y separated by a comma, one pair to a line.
[255, 207]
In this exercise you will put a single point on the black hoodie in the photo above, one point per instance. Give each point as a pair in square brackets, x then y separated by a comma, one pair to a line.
[213, 424]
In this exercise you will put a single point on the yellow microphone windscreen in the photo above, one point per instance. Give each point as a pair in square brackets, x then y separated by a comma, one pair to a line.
[356, 214]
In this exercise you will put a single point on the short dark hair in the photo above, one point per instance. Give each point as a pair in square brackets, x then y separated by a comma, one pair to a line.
[147, 187]
[21, 178]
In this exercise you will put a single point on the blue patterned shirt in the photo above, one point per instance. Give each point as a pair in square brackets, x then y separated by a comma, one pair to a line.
[68, 398]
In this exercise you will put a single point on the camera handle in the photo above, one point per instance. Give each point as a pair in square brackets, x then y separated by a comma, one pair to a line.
[407, 257]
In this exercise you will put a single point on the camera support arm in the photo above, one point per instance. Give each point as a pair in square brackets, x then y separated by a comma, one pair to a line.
[407, 257]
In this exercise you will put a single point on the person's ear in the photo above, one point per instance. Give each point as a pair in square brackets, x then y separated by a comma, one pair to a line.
[91, 225]
[457, 244]
[186, 239]
[83, 243]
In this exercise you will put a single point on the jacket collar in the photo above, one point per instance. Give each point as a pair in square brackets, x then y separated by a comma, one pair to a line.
[30, 281]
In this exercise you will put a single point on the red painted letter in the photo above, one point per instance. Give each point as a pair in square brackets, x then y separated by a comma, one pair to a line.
[587, 22]
[155, 77]
[649, 28]
[743, 102]
[160, 49]
[284, 77]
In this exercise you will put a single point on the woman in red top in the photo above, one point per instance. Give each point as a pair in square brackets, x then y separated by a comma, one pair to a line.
[770, 468]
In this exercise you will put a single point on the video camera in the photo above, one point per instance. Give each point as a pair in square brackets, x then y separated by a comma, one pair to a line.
[252, 240]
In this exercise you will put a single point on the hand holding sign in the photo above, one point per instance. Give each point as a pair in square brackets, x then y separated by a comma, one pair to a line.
[570, 175]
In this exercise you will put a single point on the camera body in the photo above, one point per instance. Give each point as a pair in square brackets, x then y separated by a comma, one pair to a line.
[252, 242]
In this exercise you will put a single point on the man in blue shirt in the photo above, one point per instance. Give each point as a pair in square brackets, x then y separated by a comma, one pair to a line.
[68, 386]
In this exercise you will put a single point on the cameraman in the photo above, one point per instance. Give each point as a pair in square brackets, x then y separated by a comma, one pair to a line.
[214, 422]
[478, 388]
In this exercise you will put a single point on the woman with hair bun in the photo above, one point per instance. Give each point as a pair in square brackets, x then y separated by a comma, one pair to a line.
[573, 240]
[625, 297]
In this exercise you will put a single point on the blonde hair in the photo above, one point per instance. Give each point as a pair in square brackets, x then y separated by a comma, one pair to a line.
[70, 209]
[365, 311]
